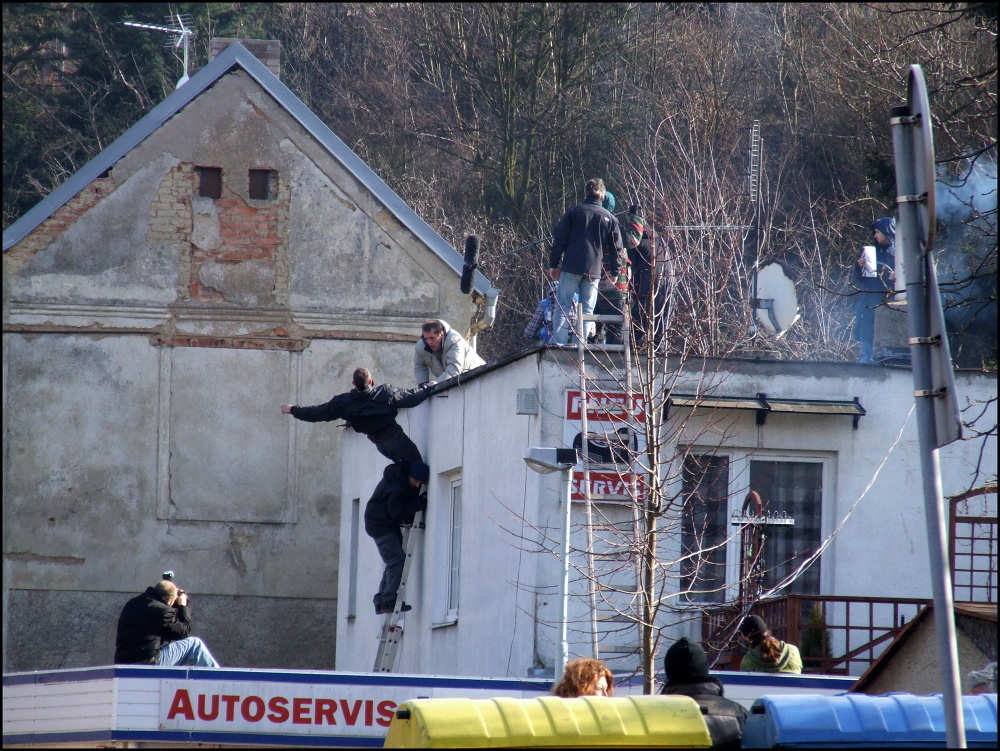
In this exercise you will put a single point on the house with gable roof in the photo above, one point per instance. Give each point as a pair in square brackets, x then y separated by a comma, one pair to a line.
[224, 255]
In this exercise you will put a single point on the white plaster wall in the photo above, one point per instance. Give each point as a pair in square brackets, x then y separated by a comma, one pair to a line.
[880, 549]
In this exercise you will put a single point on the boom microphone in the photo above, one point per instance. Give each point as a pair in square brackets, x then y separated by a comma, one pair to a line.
[471, 262]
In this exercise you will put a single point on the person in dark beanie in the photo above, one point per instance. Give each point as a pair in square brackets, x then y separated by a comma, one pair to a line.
[687, 674]
[767, 654]
[371, 410]
[873, 277]
[640, 261]
[396, 500]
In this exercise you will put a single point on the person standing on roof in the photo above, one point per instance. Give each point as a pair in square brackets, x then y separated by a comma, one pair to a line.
[371, 410]
[873, 277]
[579, 241]
[612, 290]
[441, 352]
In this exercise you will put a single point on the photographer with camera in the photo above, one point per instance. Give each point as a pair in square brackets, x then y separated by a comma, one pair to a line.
[153, 629]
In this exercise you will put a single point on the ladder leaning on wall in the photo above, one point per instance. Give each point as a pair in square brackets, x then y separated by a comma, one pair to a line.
[392, 626]
[582, 346]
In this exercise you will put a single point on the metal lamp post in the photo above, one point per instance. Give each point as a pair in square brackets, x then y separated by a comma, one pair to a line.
[544, 461]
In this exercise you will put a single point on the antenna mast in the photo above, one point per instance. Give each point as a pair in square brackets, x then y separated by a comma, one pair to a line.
[180, 24]
[755, 197]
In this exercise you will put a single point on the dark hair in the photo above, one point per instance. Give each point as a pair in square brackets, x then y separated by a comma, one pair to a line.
[595, 186]
[362, 377]
[754, 628]
[435, 326]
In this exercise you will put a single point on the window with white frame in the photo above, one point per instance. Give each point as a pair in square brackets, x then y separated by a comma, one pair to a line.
[455, 548]
[714, 486]
[352, 580]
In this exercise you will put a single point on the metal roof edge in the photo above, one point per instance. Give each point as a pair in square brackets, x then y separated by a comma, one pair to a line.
[117, 149]
[237, 54]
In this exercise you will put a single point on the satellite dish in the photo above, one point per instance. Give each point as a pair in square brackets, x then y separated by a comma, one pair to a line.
[776, 306]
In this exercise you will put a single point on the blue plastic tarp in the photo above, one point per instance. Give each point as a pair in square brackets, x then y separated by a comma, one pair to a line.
[813, 721]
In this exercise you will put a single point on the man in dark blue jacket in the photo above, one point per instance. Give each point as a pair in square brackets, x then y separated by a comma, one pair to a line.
[154, 629]
[371, 410]
[579, 242]
[396, 500]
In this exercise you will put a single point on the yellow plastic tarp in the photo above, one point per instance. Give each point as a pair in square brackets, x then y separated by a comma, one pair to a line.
[585, 722]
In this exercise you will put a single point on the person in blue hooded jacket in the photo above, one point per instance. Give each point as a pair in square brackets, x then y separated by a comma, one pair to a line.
[872, 285]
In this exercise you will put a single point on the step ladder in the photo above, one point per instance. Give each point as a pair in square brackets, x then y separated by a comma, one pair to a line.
[392, 626]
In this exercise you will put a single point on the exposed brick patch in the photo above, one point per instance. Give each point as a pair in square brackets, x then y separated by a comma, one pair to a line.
[52, 228]
[230, 342]
[246, 233]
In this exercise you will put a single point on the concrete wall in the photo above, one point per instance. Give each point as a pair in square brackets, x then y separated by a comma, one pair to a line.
[510, 572]
[470, 434]
[915, 667]
[150, 335]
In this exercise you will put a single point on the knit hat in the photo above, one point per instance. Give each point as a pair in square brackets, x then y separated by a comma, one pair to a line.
[419, 471]
[753, 627]
[609, 200]
[634, 223]
[685, 662]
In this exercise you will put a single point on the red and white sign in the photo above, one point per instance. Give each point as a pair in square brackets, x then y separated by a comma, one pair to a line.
[606, 406]
[604, 484]
[278, 707]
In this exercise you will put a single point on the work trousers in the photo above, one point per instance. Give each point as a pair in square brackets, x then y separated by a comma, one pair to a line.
[393, 443]
[390, 548]
[610, 303]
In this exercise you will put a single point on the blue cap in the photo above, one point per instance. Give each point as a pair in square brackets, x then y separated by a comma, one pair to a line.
[419, 471]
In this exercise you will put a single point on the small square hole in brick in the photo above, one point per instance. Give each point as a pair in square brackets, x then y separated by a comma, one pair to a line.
[210, 182]
[263, 184]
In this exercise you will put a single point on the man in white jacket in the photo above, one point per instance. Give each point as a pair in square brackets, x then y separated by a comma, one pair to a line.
[441, 352]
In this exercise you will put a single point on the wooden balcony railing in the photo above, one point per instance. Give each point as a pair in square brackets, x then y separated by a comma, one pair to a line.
[835, 635]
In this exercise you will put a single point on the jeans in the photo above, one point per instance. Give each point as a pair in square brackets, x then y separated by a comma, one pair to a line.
[864, 323]
[189, 651]
[390, 548]
[568, 285]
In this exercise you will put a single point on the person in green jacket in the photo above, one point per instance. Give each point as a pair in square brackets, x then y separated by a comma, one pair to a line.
[767, 654]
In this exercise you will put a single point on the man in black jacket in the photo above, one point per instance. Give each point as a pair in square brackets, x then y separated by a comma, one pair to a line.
[687, 674]
[371, 410]
[579, 242]
[397, 498]
[153, 629]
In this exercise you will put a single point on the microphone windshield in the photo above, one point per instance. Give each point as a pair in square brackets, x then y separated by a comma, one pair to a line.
[470, 263]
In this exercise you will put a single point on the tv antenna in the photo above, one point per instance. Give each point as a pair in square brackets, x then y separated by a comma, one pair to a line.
[180, 25]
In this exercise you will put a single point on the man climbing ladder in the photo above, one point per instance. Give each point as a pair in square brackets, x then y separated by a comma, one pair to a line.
[395, 502]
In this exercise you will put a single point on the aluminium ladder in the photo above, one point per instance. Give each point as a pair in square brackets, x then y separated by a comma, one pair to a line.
[585, 436]
[392, 626]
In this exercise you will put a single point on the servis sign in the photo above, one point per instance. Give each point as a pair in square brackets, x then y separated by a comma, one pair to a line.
[262, 707]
